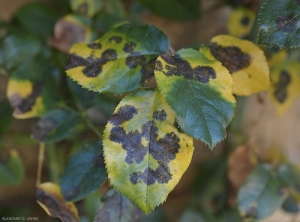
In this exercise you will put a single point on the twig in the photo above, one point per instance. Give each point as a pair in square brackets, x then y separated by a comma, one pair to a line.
[40, 163]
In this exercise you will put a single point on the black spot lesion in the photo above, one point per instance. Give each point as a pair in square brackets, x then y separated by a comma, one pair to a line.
[93, 65]
[129, 47]
[116, 39]
[162, 149]
[281, 86]
[94, 45]
[230, 56]
[245, 21]
[286, 24]
[43, 128]
[160, 115]
[23, 105]
[176, 66]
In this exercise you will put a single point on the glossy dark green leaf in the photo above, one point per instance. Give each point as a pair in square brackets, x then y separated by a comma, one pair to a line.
[199, 91]
[261, 194]
[290, 176]
[11, 168]
[37, 18]
[84, 173]
[18, 48]
[290, 205]
[5, 116]
[122, 60]
[118, 209]
[278, 24]
[55, 126]
[177, 10]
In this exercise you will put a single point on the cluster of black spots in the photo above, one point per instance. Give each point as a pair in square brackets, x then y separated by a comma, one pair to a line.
[43, 127]
[116, 39]
[136, 59]
[83, 8]
[286, 24]
[52, 205]
[176, 125]
[245, 21]
[280, 92]
[23, 105]
[93, 66]
[160, 115]
[176, 66]
[231, 57]
[158, 66]
[124, 113]
[94, 45]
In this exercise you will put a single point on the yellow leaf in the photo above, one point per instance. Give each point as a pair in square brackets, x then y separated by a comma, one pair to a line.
[244, 60]
[49, 197]
[240, 22]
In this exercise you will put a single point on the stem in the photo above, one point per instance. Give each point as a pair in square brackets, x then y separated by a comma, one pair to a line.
[53, 166]
[40, 163]
[92, 127]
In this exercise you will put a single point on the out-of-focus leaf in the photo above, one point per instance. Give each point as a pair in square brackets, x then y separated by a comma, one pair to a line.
[86, 7]
[285, 80]
[105, 21]
[158, 215]
[118, 209]
[37, 18]
[92, 204]
[11, 168]
[145, 151]
[278, 24]
[291, 177]
[290, 205]
[120, 61]
[5, 116]
[200, 93]
[116, 8]
[49, 197]
[18, 48]
[240, 22]
[174, 9]
[261, 194]
[84, 173]
[69, 30]
[55, 126]
[192, 216]
[244, 60]
[229, 215]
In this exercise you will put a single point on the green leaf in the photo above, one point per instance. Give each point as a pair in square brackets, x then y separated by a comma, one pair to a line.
[145, 151]
[200, 93]
[121, 61]
[261, 194]
[116, 8]
[244, 60]
[290, 205]
[177, 10]
[55, 126]
[18, 48]
[86, 7]
[291, 177]
[37, 18]
[5, 116]
[48, 196]
[278, 24]
[11, 168]
[84, 173]
[118, 209]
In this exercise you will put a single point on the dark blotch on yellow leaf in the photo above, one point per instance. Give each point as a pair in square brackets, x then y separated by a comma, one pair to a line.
[83, 8]
[176, 66]
[125, 113]
[148, 71]
[176, 125]
[116, 39]
[43, 127]
[245, 21]
[94, 45]
[52, 205]
[93, 66]
[251, 212]
[280, 92]
[23, 105]
[286, 23]
[231, 57]
[135, 59]
[160, 115]
[129, 47]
